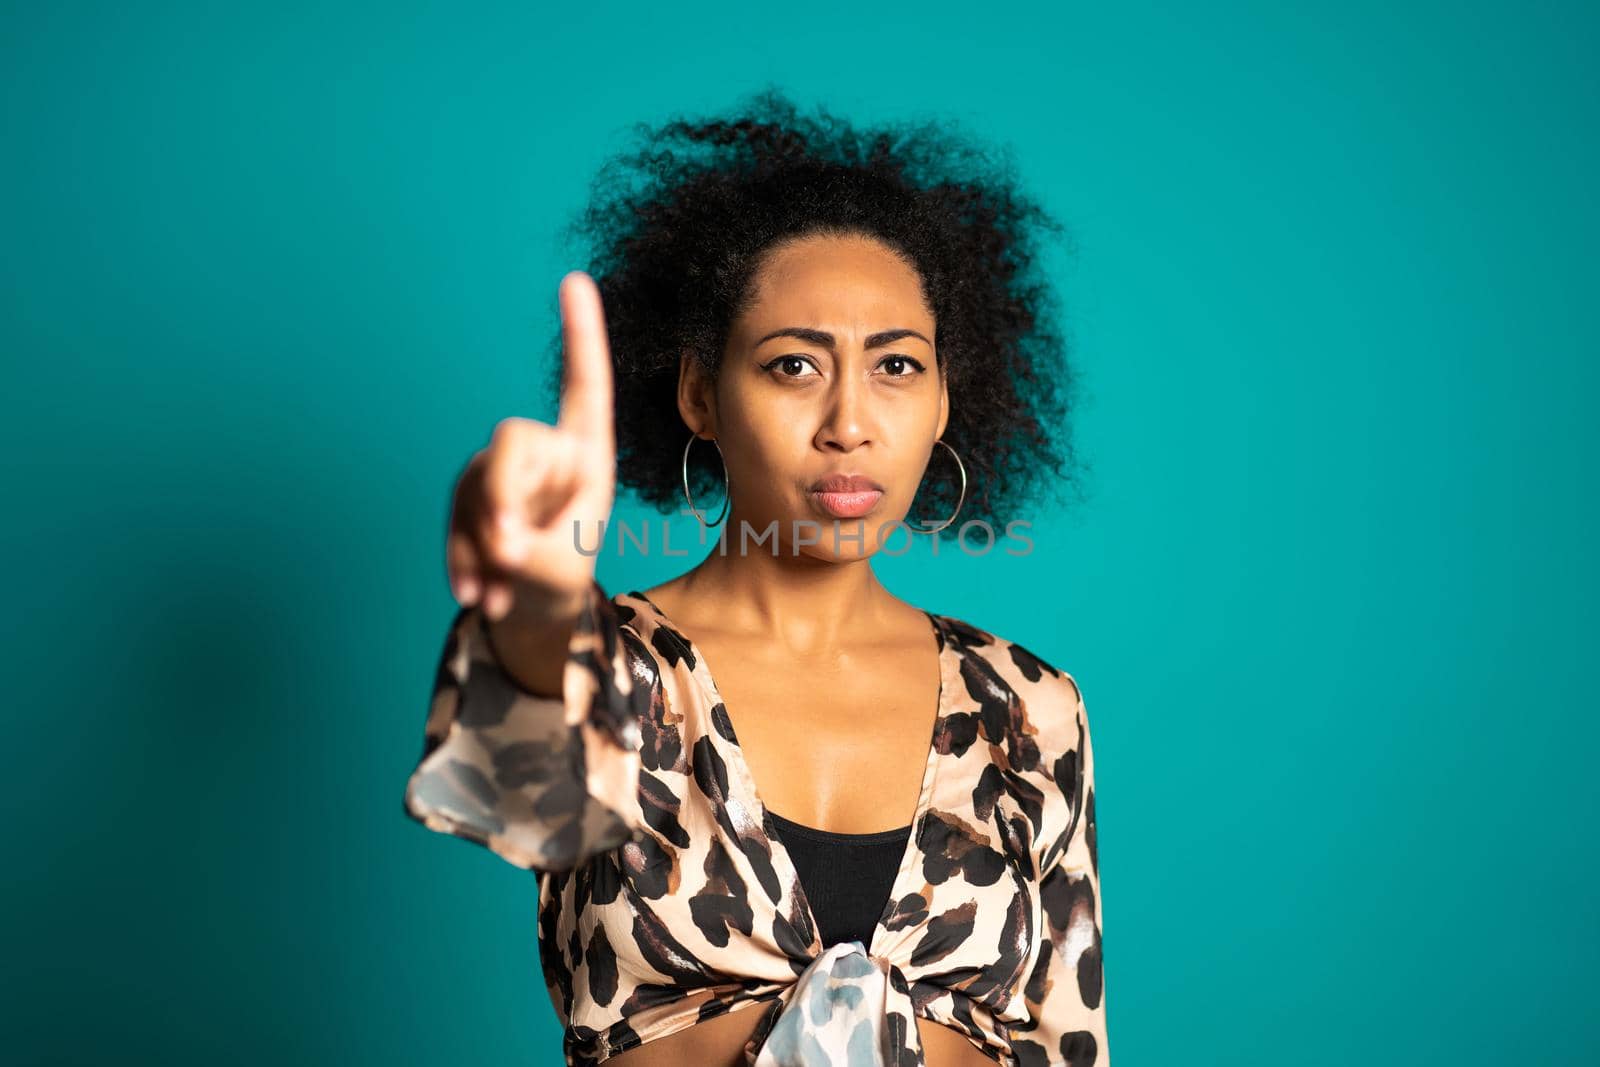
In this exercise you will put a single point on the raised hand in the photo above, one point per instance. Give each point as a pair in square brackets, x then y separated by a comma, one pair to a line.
[511, 521]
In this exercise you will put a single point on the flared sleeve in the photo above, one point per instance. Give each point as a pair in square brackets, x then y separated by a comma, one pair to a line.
[543, 782]
[1065, 993]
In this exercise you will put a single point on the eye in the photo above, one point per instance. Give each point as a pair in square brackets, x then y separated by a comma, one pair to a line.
[901, 362]
[789, 366]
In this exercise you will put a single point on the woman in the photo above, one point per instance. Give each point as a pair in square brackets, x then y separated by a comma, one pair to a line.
[823, 308]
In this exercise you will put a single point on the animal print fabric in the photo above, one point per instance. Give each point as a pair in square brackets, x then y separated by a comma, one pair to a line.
[666, 896]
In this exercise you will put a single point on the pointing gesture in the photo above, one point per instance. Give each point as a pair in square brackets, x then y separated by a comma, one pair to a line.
[512, 519]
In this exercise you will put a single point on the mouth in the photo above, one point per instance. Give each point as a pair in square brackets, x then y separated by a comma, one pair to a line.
[848, 505]
[846, 496]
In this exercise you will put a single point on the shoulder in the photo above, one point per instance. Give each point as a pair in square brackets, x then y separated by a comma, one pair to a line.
[1047, 755]
[648, 633]
[1023, 670]
[1043, 698]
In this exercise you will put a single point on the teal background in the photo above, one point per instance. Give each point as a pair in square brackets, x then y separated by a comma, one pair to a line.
[272, 273]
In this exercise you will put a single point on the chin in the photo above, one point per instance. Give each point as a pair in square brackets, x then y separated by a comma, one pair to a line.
[857, 537]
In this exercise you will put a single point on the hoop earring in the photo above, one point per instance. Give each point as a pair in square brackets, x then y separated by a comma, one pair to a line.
[962, 499]
[725, 496]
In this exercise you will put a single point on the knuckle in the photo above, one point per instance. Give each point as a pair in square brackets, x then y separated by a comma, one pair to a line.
[499, 546]
[508, 430]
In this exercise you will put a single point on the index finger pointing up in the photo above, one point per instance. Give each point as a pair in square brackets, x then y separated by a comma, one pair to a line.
[586, 394]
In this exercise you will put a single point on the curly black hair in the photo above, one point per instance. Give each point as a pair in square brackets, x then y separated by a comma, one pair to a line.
[677, 226]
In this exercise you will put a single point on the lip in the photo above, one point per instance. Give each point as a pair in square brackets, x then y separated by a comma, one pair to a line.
[846, 496]
[845, 483]
[848, 505]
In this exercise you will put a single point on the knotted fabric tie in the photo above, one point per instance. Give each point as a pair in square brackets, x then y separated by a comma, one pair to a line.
[837, 1015]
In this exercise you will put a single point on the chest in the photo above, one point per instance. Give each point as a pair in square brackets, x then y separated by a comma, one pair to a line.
[847, 747]
[840, 745]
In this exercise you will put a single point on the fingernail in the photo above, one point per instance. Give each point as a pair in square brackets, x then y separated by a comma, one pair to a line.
[467, 590]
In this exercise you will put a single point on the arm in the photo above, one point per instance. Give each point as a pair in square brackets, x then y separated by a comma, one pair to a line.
[545, 782]
[1065, 993]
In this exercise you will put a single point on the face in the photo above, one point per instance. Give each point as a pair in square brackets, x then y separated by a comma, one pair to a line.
[829, 372]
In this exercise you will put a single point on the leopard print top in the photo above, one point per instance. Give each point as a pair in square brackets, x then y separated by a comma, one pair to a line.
[666, 897]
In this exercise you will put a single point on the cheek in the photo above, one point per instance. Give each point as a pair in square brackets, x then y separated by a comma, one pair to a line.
[770, 451]
[910, 455]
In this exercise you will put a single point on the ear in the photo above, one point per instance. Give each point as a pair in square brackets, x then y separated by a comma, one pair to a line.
[697, 396]
[944, 402]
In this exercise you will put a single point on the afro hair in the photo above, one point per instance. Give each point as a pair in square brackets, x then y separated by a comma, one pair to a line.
[677, 225]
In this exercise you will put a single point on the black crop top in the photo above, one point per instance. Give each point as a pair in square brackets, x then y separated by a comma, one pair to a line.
[847, 878]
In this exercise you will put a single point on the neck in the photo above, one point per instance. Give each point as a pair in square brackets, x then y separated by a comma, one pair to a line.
[798, 603]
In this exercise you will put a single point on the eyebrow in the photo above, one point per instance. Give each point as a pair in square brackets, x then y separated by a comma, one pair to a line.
[826, 340]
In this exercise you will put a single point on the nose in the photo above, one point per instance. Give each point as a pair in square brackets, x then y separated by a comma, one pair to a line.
[847, 415]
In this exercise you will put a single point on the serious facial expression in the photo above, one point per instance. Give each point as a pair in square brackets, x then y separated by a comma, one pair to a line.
[830, 372]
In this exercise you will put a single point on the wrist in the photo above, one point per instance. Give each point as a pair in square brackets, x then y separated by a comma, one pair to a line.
[530, 641]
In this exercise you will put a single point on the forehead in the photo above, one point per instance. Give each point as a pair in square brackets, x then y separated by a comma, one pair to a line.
[837, 281]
